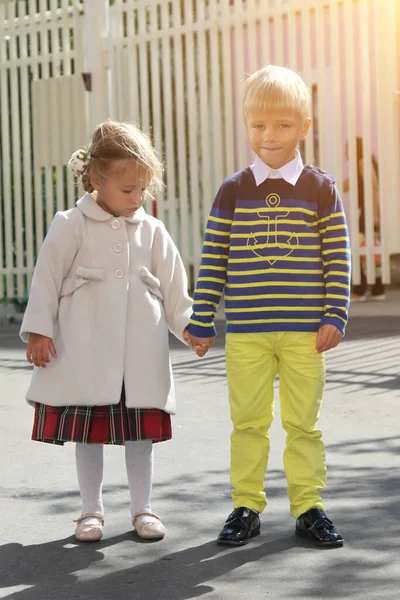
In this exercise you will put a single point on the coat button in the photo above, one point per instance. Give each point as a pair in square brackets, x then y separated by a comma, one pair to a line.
[119, 274]
[117, 248]
[115, 224]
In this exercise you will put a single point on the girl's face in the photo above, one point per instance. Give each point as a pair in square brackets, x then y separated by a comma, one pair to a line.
[122, 192]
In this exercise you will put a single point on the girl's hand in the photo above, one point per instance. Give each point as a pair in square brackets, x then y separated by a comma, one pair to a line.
[328, 337]
[38, 350]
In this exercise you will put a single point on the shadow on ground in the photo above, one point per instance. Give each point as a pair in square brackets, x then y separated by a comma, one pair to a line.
[367, 508]
[358, 328]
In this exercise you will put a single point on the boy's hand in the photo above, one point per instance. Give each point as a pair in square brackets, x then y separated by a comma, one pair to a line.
[199, 345]
[38, 350]
[328, 337]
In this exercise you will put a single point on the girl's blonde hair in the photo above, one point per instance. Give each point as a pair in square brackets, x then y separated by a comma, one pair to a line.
[276, 87]
[113, 141]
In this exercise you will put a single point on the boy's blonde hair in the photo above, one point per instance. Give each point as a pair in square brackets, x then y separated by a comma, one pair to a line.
[276, 87]
[113, 141]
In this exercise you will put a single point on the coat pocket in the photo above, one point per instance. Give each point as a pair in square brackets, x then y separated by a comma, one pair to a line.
[83, 275]
[152, 282]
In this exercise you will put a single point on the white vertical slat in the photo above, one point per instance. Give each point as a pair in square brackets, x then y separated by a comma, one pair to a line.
[228, 92]
[80, 134]
[55, 41]
[202, 70]
[216, 97]
[383, 129]
[39, 141]
[26, 148]
[110, 53]
[96, 34]
[56, 121]
[265, 38]
[278, 38]
[144, 70]
[6, 179]
[155, 59]
[2, 19]
[241, 141]
[321, 69]
[193, 126]
[292, 39]
[170, 154]
[307, 76]
[45, 111]
[366, 136]
[351, 137]
[336, 97]
[181, 132]
[66, 100]
[66, 46]
[61, 127]
[251, 20]
[133, 83]
[118, 56]
[387, 30]
[36, 168]
[81, 99]
[16, 153]
[48, 171]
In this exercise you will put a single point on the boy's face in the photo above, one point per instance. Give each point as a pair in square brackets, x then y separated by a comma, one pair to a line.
[275, 133]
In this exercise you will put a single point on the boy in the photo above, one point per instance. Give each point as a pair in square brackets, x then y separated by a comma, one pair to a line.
[277, 242]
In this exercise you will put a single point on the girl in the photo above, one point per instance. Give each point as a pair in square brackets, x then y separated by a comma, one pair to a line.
[108, 284]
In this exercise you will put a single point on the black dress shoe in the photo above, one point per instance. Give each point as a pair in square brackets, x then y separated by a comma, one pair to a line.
[316, 527]
[241, 525]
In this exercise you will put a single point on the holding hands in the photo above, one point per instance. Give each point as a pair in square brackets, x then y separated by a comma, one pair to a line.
[38, 350]
[199, 344]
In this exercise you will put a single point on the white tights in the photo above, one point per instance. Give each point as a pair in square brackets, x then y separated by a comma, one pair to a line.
[139, 467]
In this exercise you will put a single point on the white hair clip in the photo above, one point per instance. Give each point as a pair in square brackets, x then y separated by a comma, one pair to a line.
[79, 162]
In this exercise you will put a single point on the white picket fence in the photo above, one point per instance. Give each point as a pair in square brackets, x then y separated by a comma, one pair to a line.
[176, 67]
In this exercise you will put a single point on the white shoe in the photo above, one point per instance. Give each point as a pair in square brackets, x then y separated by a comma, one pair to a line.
[89, 528]
[378, 297]
[148, 526]
[357, 298]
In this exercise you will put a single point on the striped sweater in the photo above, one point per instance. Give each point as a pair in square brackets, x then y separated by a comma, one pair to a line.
[279, 252]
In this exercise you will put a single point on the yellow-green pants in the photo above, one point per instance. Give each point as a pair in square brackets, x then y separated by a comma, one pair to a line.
[253, 360]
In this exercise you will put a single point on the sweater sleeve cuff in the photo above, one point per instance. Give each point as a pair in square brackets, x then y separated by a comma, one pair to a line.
[336, 321]
[31, 326]
[203, 331]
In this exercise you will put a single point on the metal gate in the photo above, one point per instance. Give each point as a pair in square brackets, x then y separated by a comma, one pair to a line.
[176, 67]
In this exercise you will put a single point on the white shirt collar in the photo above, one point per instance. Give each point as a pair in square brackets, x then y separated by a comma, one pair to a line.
[91, 209]
[289, 172]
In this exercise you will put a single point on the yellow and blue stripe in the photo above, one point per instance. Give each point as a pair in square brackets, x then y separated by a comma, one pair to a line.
[284, 266]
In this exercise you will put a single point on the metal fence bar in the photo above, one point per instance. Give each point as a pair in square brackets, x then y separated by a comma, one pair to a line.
[5, 202]
[363, 16]
[18, 247]
[193, 128]
[307, 76]
[182, 148]
[177, 68]
[25, 74]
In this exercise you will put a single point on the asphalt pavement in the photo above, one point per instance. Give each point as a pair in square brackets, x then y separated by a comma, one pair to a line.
[39, 498]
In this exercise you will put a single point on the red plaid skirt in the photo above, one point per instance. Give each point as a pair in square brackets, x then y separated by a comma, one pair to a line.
[114, 424]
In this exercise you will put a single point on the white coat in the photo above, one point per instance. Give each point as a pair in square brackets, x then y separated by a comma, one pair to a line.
[106, 290]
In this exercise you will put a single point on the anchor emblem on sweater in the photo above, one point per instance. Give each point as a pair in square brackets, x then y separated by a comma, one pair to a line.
[272, 236]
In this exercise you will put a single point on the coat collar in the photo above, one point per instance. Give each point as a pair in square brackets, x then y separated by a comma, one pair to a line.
[91, 209]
